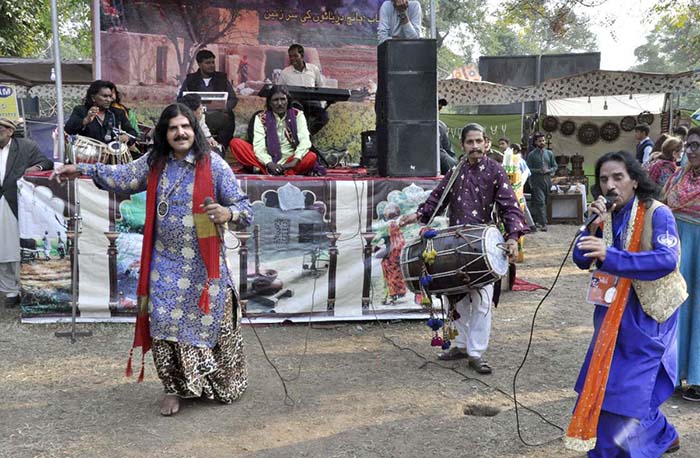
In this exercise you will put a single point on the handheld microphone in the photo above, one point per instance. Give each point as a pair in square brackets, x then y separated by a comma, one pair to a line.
[609, 202]
[219, 227]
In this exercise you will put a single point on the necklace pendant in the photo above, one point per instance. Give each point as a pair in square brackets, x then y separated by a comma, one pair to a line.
[163, 208]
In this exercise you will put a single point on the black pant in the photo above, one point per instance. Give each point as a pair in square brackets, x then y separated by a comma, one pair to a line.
[221, 125]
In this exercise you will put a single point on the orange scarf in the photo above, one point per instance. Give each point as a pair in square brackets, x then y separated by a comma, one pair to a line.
[581, 435]
[208, 239]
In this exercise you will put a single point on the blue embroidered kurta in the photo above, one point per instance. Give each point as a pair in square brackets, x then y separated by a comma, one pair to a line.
[476, 190]
[643, 370]
[178, 273]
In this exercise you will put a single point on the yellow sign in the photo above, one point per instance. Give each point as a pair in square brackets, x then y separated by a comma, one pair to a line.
[8, 102]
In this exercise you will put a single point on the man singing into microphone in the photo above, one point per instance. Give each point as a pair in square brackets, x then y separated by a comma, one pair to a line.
[630, 367]
[96, 118]
[188, 308]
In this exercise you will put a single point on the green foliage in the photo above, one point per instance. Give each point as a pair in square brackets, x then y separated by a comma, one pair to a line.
[17, 28]
[25, 29]
[674, 43]
[517, 27]
[539, 36]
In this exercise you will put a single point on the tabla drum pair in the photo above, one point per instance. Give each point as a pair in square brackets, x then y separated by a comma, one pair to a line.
[468, 257]
[90, 151]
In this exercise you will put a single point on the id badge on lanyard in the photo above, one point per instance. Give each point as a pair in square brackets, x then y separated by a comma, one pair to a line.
[602, 289]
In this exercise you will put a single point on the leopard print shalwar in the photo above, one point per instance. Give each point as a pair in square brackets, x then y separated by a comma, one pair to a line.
[219, 373]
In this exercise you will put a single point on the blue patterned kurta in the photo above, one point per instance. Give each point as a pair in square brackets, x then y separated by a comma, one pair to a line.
[178, 273]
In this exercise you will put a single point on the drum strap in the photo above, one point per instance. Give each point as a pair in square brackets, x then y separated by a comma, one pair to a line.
[448, 188]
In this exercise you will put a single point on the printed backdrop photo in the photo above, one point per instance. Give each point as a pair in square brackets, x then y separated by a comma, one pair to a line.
[317, 248]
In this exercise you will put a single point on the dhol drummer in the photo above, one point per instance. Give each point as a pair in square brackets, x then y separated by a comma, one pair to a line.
[481, 187]
[97, 119]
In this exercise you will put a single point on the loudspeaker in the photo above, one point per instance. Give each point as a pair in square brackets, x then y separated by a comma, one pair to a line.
[406, 108]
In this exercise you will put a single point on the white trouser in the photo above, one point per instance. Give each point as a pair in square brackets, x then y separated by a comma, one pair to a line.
[474, 323]
[9, 278]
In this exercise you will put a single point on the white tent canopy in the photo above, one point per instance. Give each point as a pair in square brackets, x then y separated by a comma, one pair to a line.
[620, 105]
[589, 84]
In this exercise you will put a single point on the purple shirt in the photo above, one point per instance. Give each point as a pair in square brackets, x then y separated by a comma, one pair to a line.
[475, 191]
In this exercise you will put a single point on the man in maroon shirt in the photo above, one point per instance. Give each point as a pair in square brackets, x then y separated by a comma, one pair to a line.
[481, 187]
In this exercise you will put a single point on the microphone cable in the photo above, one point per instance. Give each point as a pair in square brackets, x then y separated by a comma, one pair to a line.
[527, 352]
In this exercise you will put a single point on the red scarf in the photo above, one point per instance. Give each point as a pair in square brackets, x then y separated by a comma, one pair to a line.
[207, 236]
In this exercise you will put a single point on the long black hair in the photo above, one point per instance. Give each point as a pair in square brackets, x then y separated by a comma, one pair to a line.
[94, 88]
[646, 189]
[277, 89]
[162, 149]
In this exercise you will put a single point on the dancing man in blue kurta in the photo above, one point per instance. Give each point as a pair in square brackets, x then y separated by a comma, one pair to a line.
[192, 317]
[635, 244]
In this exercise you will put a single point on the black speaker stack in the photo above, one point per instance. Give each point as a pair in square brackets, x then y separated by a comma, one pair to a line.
[406, 109]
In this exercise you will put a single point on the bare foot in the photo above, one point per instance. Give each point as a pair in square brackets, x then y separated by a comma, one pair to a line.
[169, 405]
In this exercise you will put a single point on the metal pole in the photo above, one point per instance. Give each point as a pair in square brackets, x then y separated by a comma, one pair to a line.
[433, 25]
[96, 41]
[74, 256]
[59, 80]
[670, 112]
[522, 121]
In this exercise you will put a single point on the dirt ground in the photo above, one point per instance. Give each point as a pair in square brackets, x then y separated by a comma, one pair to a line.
[356, 395]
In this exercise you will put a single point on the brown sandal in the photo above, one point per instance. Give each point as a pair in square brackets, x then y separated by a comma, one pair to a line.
[453, 353]
[479, 365]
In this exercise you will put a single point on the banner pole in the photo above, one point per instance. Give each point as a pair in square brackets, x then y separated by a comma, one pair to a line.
[96, 41]
[59, 81]
[74, 255]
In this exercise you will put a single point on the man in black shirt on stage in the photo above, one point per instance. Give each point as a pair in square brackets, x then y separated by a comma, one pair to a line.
[96, 118]
[221, 123]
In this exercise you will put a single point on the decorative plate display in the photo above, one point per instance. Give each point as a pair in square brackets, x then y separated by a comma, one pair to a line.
[645, 117]
[550, 123]
[568, 127]
[609, 131]
[627, 123]
[588, 133]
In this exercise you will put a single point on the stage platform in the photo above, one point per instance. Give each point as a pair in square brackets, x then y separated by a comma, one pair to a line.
[319, 251]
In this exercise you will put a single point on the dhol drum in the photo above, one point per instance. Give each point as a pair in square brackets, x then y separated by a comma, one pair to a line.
[468, 257]
[86, 150]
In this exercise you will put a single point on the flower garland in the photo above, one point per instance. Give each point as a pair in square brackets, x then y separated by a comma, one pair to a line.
[608, 229]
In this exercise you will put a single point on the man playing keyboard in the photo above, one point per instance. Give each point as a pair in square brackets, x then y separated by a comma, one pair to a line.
[301, 73]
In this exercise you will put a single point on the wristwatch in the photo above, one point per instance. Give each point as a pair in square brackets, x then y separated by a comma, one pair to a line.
[235, 215]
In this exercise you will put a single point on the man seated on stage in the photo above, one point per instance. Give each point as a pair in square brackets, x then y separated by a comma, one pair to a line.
[301, 73]
[399, 19]
[194, 103]
[98, 119]
[281, 140]
[206, 79]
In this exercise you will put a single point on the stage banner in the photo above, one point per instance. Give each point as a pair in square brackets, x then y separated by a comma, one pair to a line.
[318, 249]
[148, 47]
